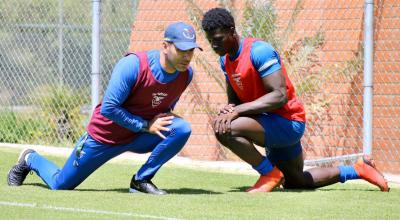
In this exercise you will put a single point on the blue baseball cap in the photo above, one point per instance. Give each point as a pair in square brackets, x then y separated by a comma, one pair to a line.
[181, 35]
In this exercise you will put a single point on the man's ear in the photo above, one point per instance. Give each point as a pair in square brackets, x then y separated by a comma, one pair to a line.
[165, 46]
[232, 31]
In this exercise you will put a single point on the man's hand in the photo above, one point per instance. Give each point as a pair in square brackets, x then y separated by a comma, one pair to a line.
[159, 123]
[229, 108]
[222, 123]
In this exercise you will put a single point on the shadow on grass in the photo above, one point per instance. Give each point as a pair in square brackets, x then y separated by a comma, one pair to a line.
[169, 191]
[190, 191]
[37, 184]
[119, 190]
[239, 189]
[352, 189]
[244, 188]
[122, 190]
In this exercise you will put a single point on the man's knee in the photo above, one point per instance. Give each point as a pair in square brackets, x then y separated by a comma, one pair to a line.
[59, 184]
[220, 139]
[301, 181]
[59, 187]
[181, 128]
[295, 177]
[225, 139]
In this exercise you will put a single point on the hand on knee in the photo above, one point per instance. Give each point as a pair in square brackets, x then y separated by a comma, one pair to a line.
[182, 131]
[180, 128]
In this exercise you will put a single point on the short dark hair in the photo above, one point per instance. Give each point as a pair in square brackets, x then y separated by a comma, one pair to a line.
[217, 18]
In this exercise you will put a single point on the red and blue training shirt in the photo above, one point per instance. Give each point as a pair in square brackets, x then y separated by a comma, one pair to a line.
[257, 59]
[139, 89]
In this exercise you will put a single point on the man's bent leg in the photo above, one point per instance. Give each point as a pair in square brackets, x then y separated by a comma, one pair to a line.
[245, 132]
[165, 149]
[161, 151]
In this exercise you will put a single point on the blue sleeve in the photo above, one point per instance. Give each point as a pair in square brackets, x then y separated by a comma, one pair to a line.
[222, 63]
[188, 82]
[265, 58]
[122, 80]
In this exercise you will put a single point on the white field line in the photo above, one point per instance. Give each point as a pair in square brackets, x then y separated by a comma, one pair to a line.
[79, 210]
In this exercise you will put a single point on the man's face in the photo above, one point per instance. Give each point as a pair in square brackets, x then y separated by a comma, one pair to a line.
[178, 59]
[221, 40]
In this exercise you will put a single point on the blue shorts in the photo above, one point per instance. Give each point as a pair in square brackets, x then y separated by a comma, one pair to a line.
[282, 136]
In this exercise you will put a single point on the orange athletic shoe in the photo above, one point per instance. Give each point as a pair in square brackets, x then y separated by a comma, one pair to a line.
[365, 168]
[267, 182]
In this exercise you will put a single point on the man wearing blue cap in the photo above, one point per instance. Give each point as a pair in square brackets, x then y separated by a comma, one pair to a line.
[134, 115]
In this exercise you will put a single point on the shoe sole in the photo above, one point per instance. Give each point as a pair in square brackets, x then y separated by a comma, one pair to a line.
[131, 190]
[8, 177]
[256, 190]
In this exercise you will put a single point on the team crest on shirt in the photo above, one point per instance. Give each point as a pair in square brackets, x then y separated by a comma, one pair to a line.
[237, 79]
[157, 98]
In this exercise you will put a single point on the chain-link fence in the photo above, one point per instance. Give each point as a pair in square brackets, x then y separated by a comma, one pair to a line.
[45, 65]
[45, 68]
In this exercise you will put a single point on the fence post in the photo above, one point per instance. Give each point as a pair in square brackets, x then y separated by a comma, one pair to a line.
[368, 76]
[96, 53]
[60, 41]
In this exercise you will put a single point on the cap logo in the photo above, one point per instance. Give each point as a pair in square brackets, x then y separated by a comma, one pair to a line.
[188, 33]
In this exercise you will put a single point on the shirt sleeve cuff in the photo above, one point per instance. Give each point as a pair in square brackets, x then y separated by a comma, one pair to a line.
[145, 126]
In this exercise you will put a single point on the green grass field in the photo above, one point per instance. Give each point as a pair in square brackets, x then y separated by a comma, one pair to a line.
[193, 194]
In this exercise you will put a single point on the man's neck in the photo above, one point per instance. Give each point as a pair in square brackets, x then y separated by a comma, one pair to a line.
[235, 47]
[165, 65]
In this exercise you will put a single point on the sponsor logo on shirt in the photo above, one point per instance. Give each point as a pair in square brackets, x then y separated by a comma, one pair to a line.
[237, 79]
[157, 98]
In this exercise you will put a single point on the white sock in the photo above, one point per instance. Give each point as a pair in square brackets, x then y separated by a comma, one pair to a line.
[26, 157]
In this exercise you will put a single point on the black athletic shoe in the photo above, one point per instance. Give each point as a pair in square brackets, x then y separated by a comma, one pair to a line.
[19, 171]
[145, 186]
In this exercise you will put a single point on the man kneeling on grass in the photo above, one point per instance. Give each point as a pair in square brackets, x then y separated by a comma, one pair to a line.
[135, 115]
[263, 109]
